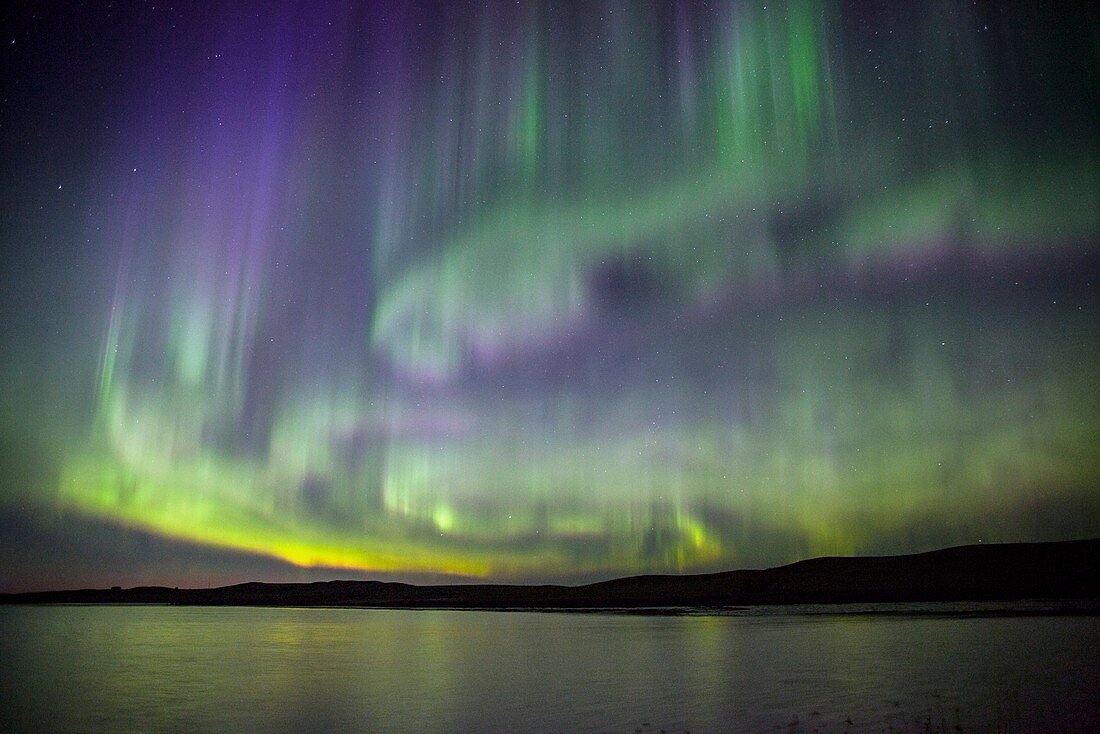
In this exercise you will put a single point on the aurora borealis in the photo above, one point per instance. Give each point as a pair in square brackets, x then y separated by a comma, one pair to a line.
[549, 290]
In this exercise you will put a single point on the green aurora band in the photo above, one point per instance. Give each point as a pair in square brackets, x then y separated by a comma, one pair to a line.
[604, 288]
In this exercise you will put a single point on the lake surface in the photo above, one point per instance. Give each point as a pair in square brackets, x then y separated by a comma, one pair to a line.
[147, 668]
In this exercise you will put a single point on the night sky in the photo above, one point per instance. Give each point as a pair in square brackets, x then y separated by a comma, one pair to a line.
[542, 290]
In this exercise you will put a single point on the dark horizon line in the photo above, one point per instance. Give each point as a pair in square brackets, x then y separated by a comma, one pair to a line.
[977, 572]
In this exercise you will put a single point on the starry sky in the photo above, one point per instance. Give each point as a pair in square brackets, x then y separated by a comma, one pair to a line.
[542, 291]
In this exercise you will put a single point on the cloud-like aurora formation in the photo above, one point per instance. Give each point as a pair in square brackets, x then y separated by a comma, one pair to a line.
[574, 289]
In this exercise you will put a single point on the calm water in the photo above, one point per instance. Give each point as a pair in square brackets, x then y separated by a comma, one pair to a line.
[102, 668]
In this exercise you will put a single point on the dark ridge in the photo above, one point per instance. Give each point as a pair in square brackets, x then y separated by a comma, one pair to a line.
[995, 572]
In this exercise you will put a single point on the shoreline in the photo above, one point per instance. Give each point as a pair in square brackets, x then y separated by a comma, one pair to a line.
[1019, 574]
[951, 610]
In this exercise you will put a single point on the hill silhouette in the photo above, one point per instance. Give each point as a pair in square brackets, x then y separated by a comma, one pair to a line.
[987, 572]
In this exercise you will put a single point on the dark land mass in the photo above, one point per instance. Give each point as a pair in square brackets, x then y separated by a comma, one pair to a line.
[998, 572]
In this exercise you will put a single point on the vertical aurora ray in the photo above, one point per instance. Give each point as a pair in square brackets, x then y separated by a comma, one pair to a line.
[803, 54]
[574, 289]
[530, 131]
